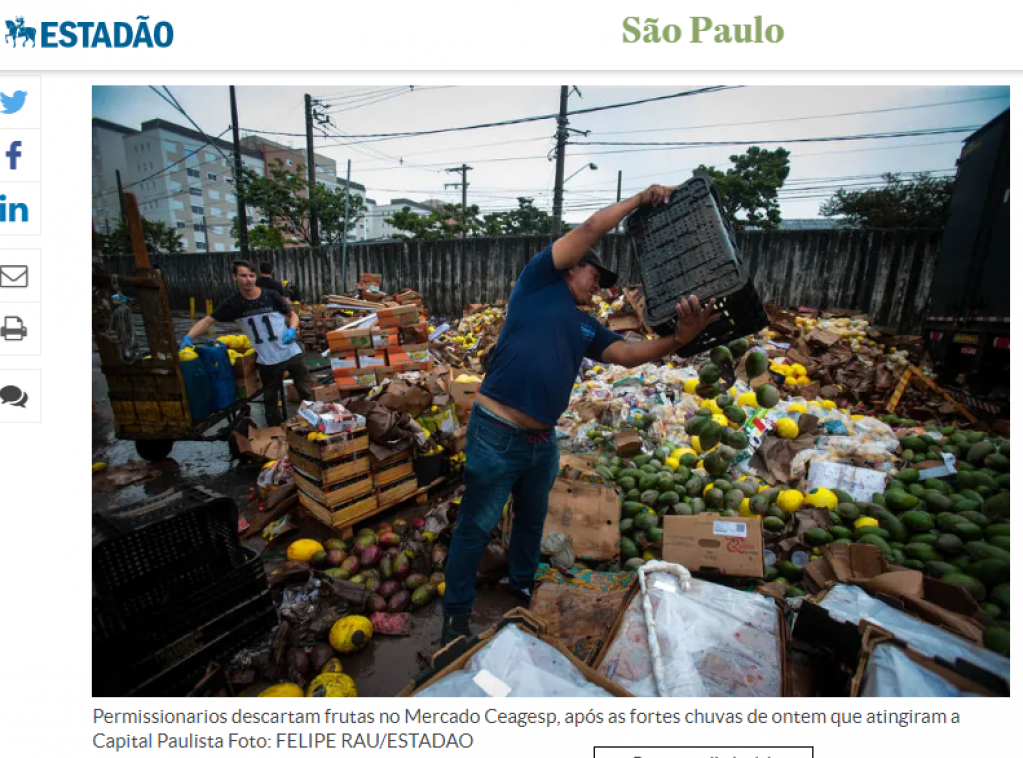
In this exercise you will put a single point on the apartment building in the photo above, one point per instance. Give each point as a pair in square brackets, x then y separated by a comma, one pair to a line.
[379, 216]
[177, 176]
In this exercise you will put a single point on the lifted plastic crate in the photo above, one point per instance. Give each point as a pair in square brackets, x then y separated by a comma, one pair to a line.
[687, 247]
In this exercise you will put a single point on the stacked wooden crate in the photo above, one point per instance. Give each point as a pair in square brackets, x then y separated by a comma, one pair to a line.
[333, 475]
[339, 482]
[315, 321]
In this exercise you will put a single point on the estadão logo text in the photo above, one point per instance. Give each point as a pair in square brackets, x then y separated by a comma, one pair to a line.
[93, 34]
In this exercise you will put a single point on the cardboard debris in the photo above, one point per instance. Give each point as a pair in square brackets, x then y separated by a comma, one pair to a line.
[708, 543]
[262, 444]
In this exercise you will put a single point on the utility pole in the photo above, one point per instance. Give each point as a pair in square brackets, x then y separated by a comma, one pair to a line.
[120, 192]
[464, 184]
[559, 162]
[618, 226]
[344, 242]
[243, 220]
[314, 227]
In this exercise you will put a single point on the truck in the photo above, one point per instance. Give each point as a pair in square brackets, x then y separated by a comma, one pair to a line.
[966, 325]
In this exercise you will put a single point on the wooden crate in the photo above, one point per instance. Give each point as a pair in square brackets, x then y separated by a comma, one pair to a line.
[339, 493]
[342, 516]
[393, 468]
[330, 472]
[397, 491]
[336, 446]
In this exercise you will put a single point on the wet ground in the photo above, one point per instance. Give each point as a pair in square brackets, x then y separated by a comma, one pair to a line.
[388, 663]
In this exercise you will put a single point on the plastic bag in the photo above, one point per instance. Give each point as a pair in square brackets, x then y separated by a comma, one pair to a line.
[846, 602]
[515, 664]
[273, 475]
[714, 642]
[891, 673]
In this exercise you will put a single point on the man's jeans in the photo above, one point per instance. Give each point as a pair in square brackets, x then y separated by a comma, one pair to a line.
[501, 459]
[272, 378]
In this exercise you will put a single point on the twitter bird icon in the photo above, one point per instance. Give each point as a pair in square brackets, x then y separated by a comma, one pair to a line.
[12, 103]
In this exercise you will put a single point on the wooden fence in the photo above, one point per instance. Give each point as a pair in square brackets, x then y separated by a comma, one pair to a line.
[887, 274]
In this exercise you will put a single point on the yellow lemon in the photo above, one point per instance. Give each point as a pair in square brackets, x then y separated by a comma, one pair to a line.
[720, 419]
[302, 550]
[803, 381]
[787, 429]
[798, 369]
[744, 509]
[797, 407]
[676, 453]
[857, 417]
[711, 484]
[790, 500]
[690, 385]
[822, 497]
[712, 405]
[865, 521]
[748, 399]
[285, 689]
[671, 463]
[829, 404]
[791, 381]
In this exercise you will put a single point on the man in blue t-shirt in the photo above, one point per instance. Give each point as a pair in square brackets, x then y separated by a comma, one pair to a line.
[510, 445]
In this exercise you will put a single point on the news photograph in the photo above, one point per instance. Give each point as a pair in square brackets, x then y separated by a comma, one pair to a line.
[544, 390]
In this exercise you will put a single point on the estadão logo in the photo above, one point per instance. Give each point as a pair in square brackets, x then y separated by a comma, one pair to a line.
[92, 34]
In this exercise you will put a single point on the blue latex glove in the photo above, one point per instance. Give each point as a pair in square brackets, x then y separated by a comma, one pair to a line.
[288, 337]
[186, 342]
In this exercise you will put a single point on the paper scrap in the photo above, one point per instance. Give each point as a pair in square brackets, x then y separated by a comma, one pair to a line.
[490, 684]
[729, 529]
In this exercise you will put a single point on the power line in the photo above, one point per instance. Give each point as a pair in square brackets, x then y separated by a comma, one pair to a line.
[837, 138]
[522, 120]
[809, 118]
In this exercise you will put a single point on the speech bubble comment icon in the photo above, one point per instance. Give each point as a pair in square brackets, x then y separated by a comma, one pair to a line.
[14, 396]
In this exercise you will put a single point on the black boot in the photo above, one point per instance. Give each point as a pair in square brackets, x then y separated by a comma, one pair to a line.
[454, 627]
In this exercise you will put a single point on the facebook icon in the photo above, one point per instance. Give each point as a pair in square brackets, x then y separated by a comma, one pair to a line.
[13, 154]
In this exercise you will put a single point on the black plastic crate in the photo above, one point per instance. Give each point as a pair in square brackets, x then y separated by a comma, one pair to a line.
[113, 640]
[184, 668]
[182, 658]
[687, 247]
[148, 556]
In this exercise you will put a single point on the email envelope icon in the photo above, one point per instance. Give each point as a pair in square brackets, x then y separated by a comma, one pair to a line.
[13, 276]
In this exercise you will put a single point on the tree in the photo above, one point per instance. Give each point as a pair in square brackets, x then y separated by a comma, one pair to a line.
[920, 202]
[284, 202]
[447, 222]
[750, 187]
[159, 237]
[526, 219]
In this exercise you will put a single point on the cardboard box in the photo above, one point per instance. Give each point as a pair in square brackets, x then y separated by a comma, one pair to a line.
[402, 396]
[464, 393]
[628, 443]
[588, 513]
[372, 358]
[365, 377]
[262, 444]
[248, 385]
[344, 360]
[713, 544]
[624, 322]
[349, 339]
[415, 333]
[456, 442]
[384, 338]
[245, 365]
[325, 393]
[399, 316]
[423, 366]
[384, 373]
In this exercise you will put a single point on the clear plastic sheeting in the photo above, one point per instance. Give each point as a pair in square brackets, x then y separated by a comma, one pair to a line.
[714, 642]
[516, 664]
[844, 602]
[891, 673]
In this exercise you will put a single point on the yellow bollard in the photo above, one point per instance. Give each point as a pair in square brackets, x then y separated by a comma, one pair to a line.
[191, 308]
[209, 311]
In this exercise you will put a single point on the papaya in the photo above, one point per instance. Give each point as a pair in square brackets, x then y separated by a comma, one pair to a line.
[710, 374]
[738, 347]
[756, 364]
[967, 582]
[767, 396]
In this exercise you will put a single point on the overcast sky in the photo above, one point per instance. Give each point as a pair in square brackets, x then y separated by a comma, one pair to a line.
[512, 161]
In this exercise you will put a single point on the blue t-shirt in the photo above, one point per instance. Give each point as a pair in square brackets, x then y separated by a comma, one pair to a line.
[543, 342]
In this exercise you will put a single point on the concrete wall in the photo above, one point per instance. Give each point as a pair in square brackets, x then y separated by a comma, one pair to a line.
[887, 274]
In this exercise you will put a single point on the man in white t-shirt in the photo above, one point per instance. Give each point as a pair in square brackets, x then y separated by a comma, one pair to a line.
[269, 323]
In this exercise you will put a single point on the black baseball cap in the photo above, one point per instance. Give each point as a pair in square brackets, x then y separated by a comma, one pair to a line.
[608, 278]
